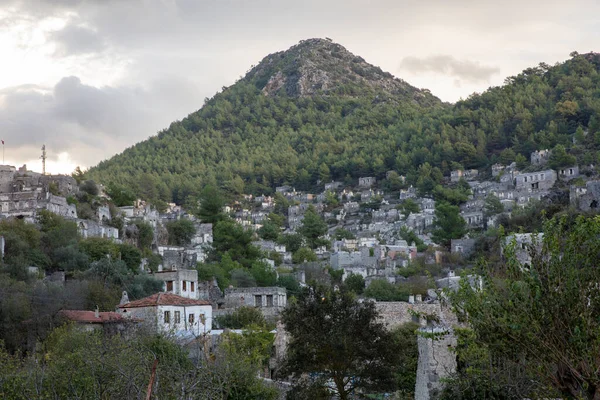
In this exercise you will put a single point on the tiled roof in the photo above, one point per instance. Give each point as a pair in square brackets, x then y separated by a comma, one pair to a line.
[89, 317]
[164, 299]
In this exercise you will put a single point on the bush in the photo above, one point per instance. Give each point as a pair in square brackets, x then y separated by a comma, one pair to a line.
[382, 290]
[181, 232]
[263, 274]
[290, 284]
[356, 283]
[241, 318]
[242, 278]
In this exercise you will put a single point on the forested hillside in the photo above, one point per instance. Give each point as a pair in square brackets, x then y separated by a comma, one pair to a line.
[317, 112]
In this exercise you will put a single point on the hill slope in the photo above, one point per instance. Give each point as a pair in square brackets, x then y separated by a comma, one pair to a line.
[316, 111]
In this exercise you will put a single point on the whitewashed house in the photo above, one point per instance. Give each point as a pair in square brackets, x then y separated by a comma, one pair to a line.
[169, 313]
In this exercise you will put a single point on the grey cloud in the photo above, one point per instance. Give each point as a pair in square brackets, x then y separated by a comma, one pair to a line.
[463, 70]
[89, 123]
[72, 40]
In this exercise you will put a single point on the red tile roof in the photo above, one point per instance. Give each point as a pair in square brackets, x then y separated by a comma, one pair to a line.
[89, 317]
[164, 299]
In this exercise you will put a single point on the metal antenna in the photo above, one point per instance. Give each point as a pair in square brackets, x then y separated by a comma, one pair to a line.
[43, 157]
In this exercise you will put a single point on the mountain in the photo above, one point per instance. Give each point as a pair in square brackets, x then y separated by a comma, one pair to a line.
[321, 67]
[317, 112]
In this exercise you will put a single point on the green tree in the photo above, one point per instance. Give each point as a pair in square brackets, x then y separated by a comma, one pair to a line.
[120, 195]
[382, 290]
[493, 205]
[560, 158]
[211, 205]
[313, 228]
[242, 317]
[331, 339]
[341, 233]
[181, 232]
[263, 274]
[269, 231]
[543, 316]
[448, 224]
[232, 239]
[302, 255]
[408, 206]
[355, 283]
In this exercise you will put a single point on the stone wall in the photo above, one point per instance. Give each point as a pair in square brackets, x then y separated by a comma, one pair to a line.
[396, 313]
[437, 360]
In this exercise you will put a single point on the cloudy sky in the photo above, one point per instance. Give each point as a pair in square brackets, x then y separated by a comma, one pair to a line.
[91, 78]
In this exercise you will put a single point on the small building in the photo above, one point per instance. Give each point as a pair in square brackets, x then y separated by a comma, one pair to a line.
[540, 157]
[88, 321]
[367, 181]
[523, 243]
[541, 180]
[463, 247]
[456, 175]
[497, 169]
[182, 282]
[169, 313]
[568, 173]
[270, 301]
[473, 218]
[586, 198]
[409, 193]
[333, 185]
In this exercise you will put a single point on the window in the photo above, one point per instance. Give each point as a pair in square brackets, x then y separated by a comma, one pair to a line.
[269, 300]
[167, 317]
[192, 288]
[184, 285]
[191, 319]
[177, 317]
[258, 301]
[169, 286]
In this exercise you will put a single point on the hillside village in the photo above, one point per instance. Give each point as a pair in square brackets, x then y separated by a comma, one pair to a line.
[372, 232]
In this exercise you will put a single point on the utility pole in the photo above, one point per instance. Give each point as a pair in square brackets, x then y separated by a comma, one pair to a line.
[43, 157]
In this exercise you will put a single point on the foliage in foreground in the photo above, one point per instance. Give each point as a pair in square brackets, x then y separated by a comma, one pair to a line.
[338, 346]
[87, 365]
[539, 321]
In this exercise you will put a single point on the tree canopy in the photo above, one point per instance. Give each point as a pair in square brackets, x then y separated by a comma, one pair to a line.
[334, 338]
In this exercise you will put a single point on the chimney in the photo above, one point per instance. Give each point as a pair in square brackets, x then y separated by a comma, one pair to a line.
[411, 299]
[418, 298]
[97, 312]
[124, 298]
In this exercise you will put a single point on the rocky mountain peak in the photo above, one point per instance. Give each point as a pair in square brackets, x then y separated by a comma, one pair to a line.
[320, 66]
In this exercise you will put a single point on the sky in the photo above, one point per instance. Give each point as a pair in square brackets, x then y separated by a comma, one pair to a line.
[89, 78]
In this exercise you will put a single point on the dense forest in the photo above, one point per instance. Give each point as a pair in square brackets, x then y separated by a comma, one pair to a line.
[259, 133]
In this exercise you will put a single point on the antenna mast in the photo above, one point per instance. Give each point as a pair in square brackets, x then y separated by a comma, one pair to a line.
[43, 157]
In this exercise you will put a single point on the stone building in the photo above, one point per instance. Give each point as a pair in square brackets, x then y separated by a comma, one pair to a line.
[474, 218]
[568, 173]
[182, 282]
[541, 180]
[168, 313]
[367, 181]
[88, 228]
[463, 247]
[586, 198]
[468, 174]
[109, 323]
[497, 169]
[540, 157]
[522, 244]
[269, 300]
[333, 185]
